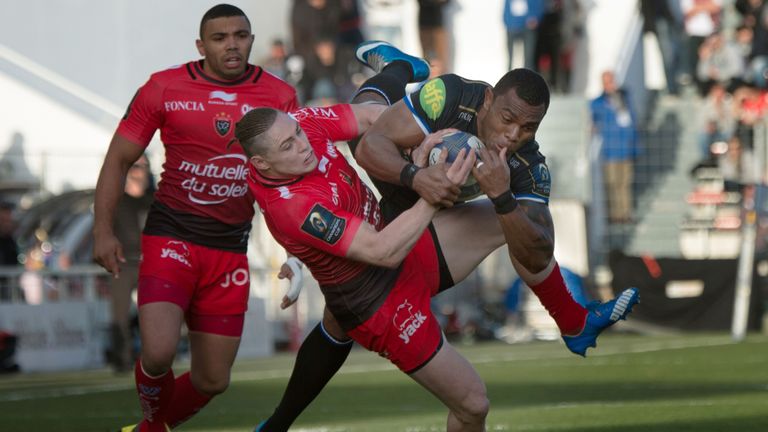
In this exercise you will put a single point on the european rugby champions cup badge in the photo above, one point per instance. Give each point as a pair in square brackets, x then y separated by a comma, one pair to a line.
[222, 123]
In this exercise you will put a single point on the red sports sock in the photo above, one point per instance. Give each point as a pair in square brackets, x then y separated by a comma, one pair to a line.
[154, 395]
[557, 300]
[186, 402]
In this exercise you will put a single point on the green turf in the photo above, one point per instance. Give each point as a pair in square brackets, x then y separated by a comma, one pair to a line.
[701, 383]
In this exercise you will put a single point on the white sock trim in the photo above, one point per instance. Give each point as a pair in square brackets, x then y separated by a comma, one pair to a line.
[332, 339]
[150, 376]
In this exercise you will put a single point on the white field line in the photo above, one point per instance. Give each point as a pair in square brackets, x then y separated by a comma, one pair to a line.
[381, 365]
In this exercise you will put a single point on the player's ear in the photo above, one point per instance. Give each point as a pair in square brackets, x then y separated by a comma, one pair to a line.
[488, 100]
[200, 47]
[259, 162]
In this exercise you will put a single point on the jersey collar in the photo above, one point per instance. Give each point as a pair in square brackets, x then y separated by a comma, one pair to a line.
[251, 73]
[271, 182]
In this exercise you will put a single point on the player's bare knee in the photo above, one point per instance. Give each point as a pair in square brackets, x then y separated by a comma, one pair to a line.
[210, 386]
[157, 361]
[474, 408]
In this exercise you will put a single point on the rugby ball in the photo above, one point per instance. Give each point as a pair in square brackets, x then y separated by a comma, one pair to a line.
[454, 143]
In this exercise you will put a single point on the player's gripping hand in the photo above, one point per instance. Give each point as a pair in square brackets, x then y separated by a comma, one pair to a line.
[291, 270]
[459, 170]
[431, 182]
[420, 153]
[492, 172]
[108, 252]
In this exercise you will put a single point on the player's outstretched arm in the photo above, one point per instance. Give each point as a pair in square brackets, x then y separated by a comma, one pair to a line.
[379, 153]
[390, 246]
[107, 250]
[366, 115]
[379, 149]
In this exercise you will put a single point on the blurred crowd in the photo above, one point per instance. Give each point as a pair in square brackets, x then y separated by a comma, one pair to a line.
[730, 73]
[319, 59]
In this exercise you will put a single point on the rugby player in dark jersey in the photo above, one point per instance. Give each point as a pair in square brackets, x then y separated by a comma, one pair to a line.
[506, 118]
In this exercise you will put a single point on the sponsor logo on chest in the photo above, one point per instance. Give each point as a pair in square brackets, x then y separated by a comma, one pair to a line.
[177, 105]
[215, 180]
[220, 97]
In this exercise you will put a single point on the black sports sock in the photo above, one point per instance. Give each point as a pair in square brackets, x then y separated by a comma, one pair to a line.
[318, 359]
[399, 68]
[389, 84]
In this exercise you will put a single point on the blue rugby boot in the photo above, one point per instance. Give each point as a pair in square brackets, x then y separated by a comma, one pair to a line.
[260, 426]
[378, 54]
[600, 316]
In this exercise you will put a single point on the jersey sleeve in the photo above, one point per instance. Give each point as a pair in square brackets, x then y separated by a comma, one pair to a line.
[530, 179]
[144, 114]
[435, 103]
[316, 222]
[292, 103]
[336, 122]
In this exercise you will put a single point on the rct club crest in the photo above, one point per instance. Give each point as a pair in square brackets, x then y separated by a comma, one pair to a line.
[222, 122]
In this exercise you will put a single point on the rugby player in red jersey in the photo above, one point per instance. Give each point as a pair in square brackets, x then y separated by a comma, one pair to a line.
[377, 280]
[194, 265]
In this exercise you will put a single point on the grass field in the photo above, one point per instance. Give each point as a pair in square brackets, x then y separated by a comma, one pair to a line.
[701, 383]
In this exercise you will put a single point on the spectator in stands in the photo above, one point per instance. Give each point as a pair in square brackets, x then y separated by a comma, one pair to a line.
[717, 122]
[351, 73]
[9, 249]
[432, 32]
[327, 73]
[275, 61]
[549, 42]
[383, 19]
[750, 105]
[131, 212]
[743, 40]
[573, 23]
[719, 61]
[737, 165]
[748, 10]
[314, 24]
[522, 19]
[757, 69]
[702, 19]
[659, 20]
[615, 122]
[350, 31]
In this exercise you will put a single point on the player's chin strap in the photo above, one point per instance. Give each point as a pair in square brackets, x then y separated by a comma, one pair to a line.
[297, 281]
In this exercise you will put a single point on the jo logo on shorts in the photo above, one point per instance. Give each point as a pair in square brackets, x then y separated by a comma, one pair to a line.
[238, 277]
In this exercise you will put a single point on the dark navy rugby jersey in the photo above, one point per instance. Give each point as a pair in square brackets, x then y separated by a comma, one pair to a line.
[450, 101]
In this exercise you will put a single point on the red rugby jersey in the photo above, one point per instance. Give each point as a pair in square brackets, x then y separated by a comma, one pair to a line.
[196, 115]
[316, 216]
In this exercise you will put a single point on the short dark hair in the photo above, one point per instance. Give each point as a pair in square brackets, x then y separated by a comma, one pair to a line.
[221, 11]
[250, 129]
[529, 86]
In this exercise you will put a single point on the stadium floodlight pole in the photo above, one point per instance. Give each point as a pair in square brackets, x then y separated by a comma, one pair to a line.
[752, 199]
[744, 275]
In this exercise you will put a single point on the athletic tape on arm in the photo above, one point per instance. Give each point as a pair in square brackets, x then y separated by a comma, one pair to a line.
[297, 280]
